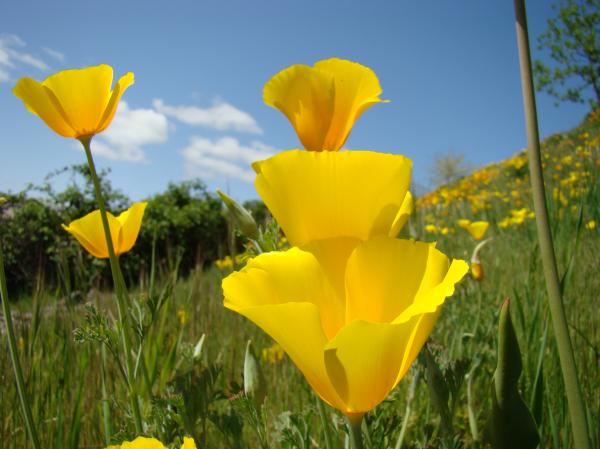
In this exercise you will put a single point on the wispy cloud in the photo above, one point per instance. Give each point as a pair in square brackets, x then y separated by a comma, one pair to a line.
[223, 157]
[221, 116]
[54, 54]
[129, 132]
[13, 57]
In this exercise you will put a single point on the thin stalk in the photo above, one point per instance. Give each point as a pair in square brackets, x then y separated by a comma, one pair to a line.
[14, 356]
[325, 425]
[106, 418]
[559, 320]
[354, 423]
[409, 400]
[121, 294]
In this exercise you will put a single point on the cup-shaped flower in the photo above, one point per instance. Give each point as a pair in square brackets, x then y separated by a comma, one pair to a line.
[151, 443]
[124, 230]
[77, 102]
[352, 321]
[476, 229]
[315, 196]
[323, 102]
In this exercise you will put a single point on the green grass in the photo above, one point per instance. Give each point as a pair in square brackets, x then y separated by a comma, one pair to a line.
[75, 397]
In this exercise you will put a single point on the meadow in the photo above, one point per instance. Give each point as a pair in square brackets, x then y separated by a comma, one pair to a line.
[190, 374]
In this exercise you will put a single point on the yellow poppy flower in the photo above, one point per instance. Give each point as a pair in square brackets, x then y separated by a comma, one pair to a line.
[151, 443]
[77, 102]
[315, 196]
[323, 102]
[352, 321]
[477, 229]
[124, 230]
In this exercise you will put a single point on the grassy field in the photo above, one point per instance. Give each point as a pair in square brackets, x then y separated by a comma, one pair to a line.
[78, 393]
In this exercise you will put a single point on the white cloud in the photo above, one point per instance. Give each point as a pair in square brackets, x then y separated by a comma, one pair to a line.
[54, 54]
[130, 130]
[224, 156]
[12, 57]
[221, 116]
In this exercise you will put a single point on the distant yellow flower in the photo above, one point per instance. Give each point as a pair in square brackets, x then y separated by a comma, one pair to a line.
[273, 354]
[21, 344]
[182, 316]
[151, 443]
[124, 230]
[323, 102]
[477, 229]
[353, 322]
[431, 228]
[77, 102]
[591, 225]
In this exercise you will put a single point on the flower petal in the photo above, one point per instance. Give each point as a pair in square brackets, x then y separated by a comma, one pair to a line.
[131, 221]
[356, 89]
[316, 196]
[292, 276]
[477, 229]
[433, 292]
[403, 213]
[188, 443]
[383, 276]
[143, 443]
[111, 108]
[287, 295]
[89, 232]
[363, 362]
[38, 101]
[323, 102]
[306, 97]
[83, 95]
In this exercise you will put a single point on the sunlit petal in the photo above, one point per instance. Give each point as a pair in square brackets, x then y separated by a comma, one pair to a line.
[83, 95]
[363, 362]
[131, 221]
[89, 232]
[316, 196]
[143, 443]
[402, 216]
[38, 101]
[323, 102]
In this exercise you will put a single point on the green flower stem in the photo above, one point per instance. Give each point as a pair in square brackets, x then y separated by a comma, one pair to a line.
[121, 292]
[354, 431]
[559, 321]
[14, 356]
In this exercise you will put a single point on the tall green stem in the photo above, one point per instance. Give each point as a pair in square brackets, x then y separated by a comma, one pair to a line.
[559, 321]
[14, 356]
[354, 431]
[119, 287]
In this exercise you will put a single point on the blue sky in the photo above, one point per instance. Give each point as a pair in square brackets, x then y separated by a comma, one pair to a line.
[449, 67]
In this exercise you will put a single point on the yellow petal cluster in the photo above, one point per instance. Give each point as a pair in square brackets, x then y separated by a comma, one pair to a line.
[124, 230]
[323, 102]
[151, 443]
[349, 303]
[354, 325]
[75, 103]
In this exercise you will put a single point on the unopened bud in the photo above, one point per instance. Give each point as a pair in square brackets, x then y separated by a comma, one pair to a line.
[254, 385]
[241, 216]
[476, 265]
[198, 348]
